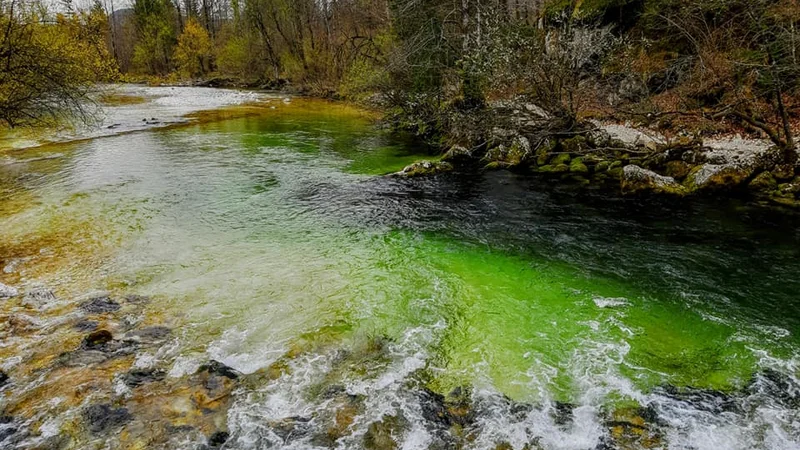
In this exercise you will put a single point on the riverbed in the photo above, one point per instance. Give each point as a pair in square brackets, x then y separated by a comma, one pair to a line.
[249, 278]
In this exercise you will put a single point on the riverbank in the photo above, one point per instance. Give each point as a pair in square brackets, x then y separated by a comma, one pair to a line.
[632, 161]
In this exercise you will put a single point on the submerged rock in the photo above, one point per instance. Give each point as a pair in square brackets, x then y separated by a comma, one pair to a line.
[8, 291]
[137, 299]
[149, 335]
[100, 305]
[97, 340]
[86, 325]
[384, 434]
[102, 418]
[218, 439]
[629, 429]
[217, 368]
[138, 377]
[635, 180]
[38, 298]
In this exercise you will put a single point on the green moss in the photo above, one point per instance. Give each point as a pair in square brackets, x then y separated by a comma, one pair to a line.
[577, 166]
[561, 158]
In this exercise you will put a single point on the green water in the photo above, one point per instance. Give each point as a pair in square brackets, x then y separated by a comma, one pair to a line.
[253, 233]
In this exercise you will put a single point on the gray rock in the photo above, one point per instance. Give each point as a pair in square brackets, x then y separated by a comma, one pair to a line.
[635, 179]
[8, 291]
[101, 418]
[99, 305]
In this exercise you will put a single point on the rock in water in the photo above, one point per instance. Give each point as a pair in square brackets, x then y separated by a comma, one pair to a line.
[635, 180]
[99, 305]
[218, 439]
[97, 340]
[217, 368]
[8, 291]
[38, 297]
[101, 418]
[139, 377]
[3, 378]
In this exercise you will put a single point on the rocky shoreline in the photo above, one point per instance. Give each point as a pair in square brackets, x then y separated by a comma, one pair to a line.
[105, 393]
[631, 162]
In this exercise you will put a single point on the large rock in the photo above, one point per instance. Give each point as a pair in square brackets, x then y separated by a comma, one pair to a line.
[718, 176]
[8, 291]
[424, 168]
[635, 180]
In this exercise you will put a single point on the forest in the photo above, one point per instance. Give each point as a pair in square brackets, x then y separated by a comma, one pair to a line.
[467, 76]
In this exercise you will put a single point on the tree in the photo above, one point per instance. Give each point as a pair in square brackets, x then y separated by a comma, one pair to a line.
[744, 63]
[194, 51]
[155, 29]
[49, 65]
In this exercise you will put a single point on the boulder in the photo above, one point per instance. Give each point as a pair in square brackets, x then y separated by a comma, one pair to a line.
[425, 168]
[577, 166]
[763, 182]
[718, 176]
[635, 180]
[8, 291]
[458, 153]
[560, 168]
[561, 158]
[677, 169]
[100, 305]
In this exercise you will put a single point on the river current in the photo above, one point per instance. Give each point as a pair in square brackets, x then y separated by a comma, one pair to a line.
[482, 310]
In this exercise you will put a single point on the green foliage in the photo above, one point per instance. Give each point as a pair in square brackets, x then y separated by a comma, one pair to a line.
[194, 50]
[155, 27]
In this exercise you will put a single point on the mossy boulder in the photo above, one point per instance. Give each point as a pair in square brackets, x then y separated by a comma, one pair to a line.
[560, 158]
[783, 172]
[718, 176]
[425, 168]
[677, 169]
[550, 168]
[577, 166]
[602, 166]
[638, 180]
[763, 182]
[458, 153]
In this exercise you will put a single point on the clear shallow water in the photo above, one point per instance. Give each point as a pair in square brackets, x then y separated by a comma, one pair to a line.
[268, 243]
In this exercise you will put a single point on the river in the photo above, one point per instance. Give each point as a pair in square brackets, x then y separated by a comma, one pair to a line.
[467, 310]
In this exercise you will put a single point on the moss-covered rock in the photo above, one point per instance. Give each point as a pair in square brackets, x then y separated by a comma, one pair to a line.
[458, 153]
[560, 158]
[384, 434]
[616, 164]
[636, 180]
[602, 166]
[577, 166]
[717, 176]
[677, 169]
[550, 168]
[763, 182]
[629, 428]
[425, 168]
[783, 172]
